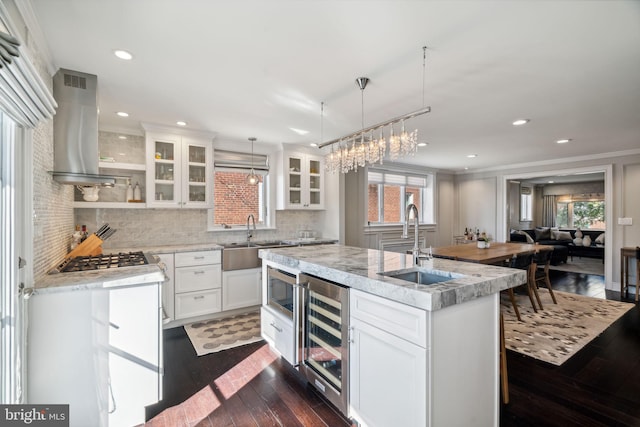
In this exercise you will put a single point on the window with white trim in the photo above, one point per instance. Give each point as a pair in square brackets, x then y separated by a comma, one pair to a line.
[390, 192]
[234, 200]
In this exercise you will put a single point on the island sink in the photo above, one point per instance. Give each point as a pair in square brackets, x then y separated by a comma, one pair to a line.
[419, 276]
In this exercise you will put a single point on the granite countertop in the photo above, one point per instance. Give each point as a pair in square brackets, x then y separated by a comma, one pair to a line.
[96, 279]
[358, 268]
[314, 241]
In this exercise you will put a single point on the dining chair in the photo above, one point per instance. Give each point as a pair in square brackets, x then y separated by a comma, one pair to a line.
[525, 262]
[504, 378]
[542, 260]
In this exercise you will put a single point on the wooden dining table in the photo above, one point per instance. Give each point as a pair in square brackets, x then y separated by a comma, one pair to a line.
[495, 254]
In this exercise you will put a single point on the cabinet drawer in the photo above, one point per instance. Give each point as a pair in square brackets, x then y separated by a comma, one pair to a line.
[186, 259]
[278, 333]
[199, 278]
[193, 304]
[403, 321]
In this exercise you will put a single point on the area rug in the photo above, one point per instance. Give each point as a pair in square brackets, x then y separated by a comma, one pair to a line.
[581, 265]
[560, 330]
[220, 334]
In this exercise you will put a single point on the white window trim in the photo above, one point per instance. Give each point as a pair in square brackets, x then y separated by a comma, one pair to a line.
[407, 171]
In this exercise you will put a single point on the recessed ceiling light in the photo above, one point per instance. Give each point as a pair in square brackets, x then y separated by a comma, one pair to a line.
[422, 144]
[472, 156]
[181, 123]
[466, 168]
[313, 144]
[563, 141]
[300, 131]
[122, 137]
[122, 114]
[550, 182]
[520, 122]
[123, 54]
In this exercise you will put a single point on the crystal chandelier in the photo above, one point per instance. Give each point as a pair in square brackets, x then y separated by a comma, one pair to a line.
[362, 148]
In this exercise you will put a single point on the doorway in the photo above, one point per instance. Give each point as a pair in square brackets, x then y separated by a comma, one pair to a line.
[506, 206]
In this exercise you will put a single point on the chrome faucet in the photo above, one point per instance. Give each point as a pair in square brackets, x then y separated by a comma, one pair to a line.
[249, 235]
[405, 230]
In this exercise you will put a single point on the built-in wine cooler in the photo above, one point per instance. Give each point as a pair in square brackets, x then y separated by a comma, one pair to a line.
[325, 342]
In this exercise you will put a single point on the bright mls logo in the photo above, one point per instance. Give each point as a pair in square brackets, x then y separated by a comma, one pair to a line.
[34, 415]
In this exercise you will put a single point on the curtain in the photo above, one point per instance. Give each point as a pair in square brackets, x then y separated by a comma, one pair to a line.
[549, 210]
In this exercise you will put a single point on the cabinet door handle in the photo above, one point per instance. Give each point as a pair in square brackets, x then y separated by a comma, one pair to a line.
[276, 327]
[198, 272]
[199, 297]
[198, 257]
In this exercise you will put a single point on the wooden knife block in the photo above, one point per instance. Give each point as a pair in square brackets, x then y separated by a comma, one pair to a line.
[92, 245]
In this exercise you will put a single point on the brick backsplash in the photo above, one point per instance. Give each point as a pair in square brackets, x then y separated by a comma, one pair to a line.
[157, 227]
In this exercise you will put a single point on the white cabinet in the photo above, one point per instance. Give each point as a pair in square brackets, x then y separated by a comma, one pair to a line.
[179, 171]
[388, 353]
[426, 359]
[198, 282]
[168, 287]
[241, 288]
[97, 350]
[277, 330]
[300, 181]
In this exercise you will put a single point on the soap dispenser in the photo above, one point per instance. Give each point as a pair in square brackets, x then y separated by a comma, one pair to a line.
[129, 195]
[136, 192]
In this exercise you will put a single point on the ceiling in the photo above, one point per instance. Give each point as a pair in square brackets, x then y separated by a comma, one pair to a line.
[258, 68]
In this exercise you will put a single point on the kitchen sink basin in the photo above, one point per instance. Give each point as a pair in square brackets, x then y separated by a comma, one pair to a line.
[419, 276]
[243, 255]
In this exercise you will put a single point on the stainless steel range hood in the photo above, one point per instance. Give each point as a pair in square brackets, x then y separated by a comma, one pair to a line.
[75, 130]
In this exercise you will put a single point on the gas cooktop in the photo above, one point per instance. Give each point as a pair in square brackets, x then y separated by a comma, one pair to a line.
[103, 261]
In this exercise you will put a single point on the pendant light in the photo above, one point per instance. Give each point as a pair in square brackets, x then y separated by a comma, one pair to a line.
[252, 178]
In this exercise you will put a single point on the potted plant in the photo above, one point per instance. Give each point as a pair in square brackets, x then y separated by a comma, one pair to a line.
[484, 241]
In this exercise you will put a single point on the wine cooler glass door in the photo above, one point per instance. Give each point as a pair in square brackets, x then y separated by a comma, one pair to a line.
[326, 338]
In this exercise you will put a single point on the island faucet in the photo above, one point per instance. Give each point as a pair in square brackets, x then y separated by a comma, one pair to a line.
[249, 235]
[405, 230]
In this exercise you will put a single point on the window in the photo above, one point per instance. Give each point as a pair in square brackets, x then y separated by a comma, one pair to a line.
[233, 199]
[390, 193]
[526, 204]
[584, 214]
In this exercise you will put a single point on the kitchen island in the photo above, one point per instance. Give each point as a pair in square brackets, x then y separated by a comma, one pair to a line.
[418, 355]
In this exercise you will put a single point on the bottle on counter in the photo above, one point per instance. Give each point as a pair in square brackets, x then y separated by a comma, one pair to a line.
[85, 233]
[136, 193]
[129, 195]
[76, 237]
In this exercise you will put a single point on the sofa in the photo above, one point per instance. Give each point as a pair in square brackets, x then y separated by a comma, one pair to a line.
[562, 242]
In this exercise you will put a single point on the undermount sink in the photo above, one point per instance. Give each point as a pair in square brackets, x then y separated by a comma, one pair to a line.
[419, 276]
[238, 245]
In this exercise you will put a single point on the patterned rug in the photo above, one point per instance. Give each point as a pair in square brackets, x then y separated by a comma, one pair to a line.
[220, 334]
[560, 330]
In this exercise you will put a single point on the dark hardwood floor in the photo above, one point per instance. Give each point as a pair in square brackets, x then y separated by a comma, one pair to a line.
[251, 386]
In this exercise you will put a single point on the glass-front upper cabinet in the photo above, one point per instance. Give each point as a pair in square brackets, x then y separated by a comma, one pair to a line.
[182, 171]
[302, 182]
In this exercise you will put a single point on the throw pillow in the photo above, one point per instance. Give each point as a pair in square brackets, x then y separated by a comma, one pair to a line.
[526, 235]
[578, 233]
[563, 235]
[543, 233]
[600, 239]
[554, 232]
